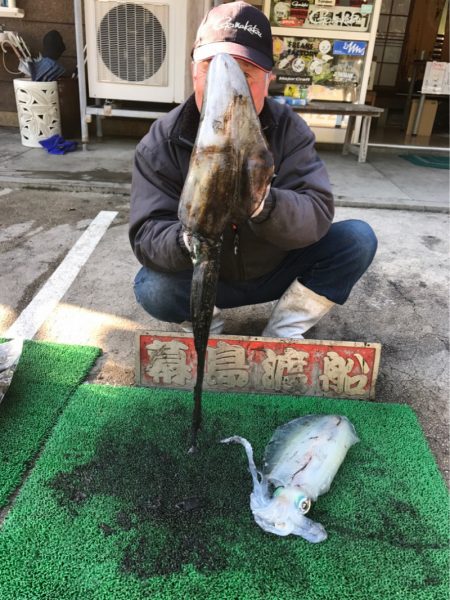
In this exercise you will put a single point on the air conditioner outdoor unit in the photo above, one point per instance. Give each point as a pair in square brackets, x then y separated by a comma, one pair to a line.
[139, 49]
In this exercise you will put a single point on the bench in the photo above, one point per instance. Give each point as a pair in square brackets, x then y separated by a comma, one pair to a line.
[349, 110]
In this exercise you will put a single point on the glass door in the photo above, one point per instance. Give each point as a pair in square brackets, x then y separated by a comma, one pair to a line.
[389, 41]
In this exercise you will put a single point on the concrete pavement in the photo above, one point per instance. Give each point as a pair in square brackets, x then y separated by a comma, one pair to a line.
[47, 202]
[385, 181]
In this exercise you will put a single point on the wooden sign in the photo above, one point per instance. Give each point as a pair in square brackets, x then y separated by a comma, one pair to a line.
[260, 365]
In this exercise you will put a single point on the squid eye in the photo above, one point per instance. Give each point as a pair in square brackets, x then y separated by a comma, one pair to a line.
[304, 505]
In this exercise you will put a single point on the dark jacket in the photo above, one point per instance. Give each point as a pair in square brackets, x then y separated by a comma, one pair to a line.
[297, 213]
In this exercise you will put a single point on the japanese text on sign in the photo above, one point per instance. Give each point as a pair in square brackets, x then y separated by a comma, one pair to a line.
[317, 368]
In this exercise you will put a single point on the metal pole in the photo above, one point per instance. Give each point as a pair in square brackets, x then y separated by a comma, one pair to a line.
[79, 39]
[365, 130]
[409, 147]
[409, 96]
[349, 134]
[418, 114]
[98, 119]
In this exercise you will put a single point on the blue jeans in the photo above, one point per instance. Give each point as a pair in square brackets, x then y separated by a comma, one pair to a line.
[330, 267]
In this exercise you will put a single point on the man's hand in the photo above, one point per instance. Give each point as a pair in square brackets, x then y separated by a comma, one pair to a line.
[260, 207]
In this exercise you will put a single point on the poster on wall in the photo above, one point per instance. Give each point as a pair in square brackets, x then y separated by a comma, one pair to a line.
[322, 14]
[436, 78]
[331, 69]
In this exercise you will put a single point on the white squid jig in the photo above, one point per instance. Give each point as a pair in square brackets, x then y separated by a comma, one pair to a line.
[299, 464]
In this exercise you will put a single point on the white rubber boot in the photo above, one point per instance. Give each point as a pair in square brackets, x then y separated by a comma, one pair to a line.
[298, 309]
[216, 327]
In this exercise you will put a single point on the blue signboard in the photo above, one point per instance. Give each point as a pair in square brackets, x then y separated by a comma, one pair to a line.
[349, 48]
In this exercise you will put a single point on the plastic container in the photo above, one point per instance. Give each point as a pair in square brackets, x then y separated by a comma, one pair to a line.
[38, 110]
[296, 101]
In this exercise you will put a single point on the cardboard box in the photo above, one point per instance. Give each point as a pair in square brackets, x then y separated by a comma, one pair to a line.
[427, 119]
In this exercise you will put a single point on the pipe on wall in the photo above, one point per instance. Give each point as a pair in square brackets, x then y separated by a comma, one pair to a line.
[79, 41]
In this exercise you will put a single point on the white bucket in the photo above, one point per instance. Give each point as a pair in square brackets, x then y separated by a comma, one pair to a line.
[38, 110]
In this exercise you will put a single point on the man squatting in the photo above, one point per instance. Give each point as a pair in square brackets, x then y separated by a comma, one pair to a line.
[289, 249]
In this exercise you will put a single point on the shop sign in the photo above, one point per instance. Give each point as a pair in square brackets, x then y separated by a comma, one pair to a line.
[263, 365]
[337, 17]
[349, 48]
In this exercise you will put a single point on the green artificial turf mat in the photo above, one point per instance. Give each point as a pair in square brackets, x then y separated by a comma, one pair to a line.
[47, 374]
[435, 162]
[115, 508]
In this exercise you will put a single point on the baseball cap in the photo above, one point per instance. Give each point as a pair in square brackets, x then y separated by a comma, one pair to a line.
[236, 28]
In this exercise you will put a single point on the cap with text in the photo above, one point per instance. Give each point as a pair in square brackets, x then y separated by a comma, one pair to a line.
[236, 28]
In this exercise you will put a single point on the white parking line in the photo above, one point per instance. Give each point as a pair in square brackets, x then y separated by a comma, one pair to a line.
[35, 314]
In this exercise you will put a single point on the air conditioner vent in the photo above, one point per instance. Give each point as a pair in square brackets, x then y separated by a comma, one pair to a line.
[131, 42]
[139, 50]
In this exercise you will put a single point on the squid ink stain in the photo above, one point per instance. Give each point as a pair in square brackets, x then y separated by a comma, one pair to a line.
[401, 526]
[170, 501]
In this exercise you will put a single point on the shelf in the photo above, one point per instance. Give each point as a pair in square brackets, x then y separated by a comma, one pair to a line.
[13, 13]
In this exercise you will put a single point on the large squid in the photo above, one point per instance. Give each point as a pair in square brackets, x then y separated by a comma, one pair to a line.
[230, 169]
[299, 464]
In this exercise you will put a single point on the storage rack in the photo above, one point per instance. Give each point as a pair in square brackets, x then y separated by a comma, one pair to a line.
[341, 33]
